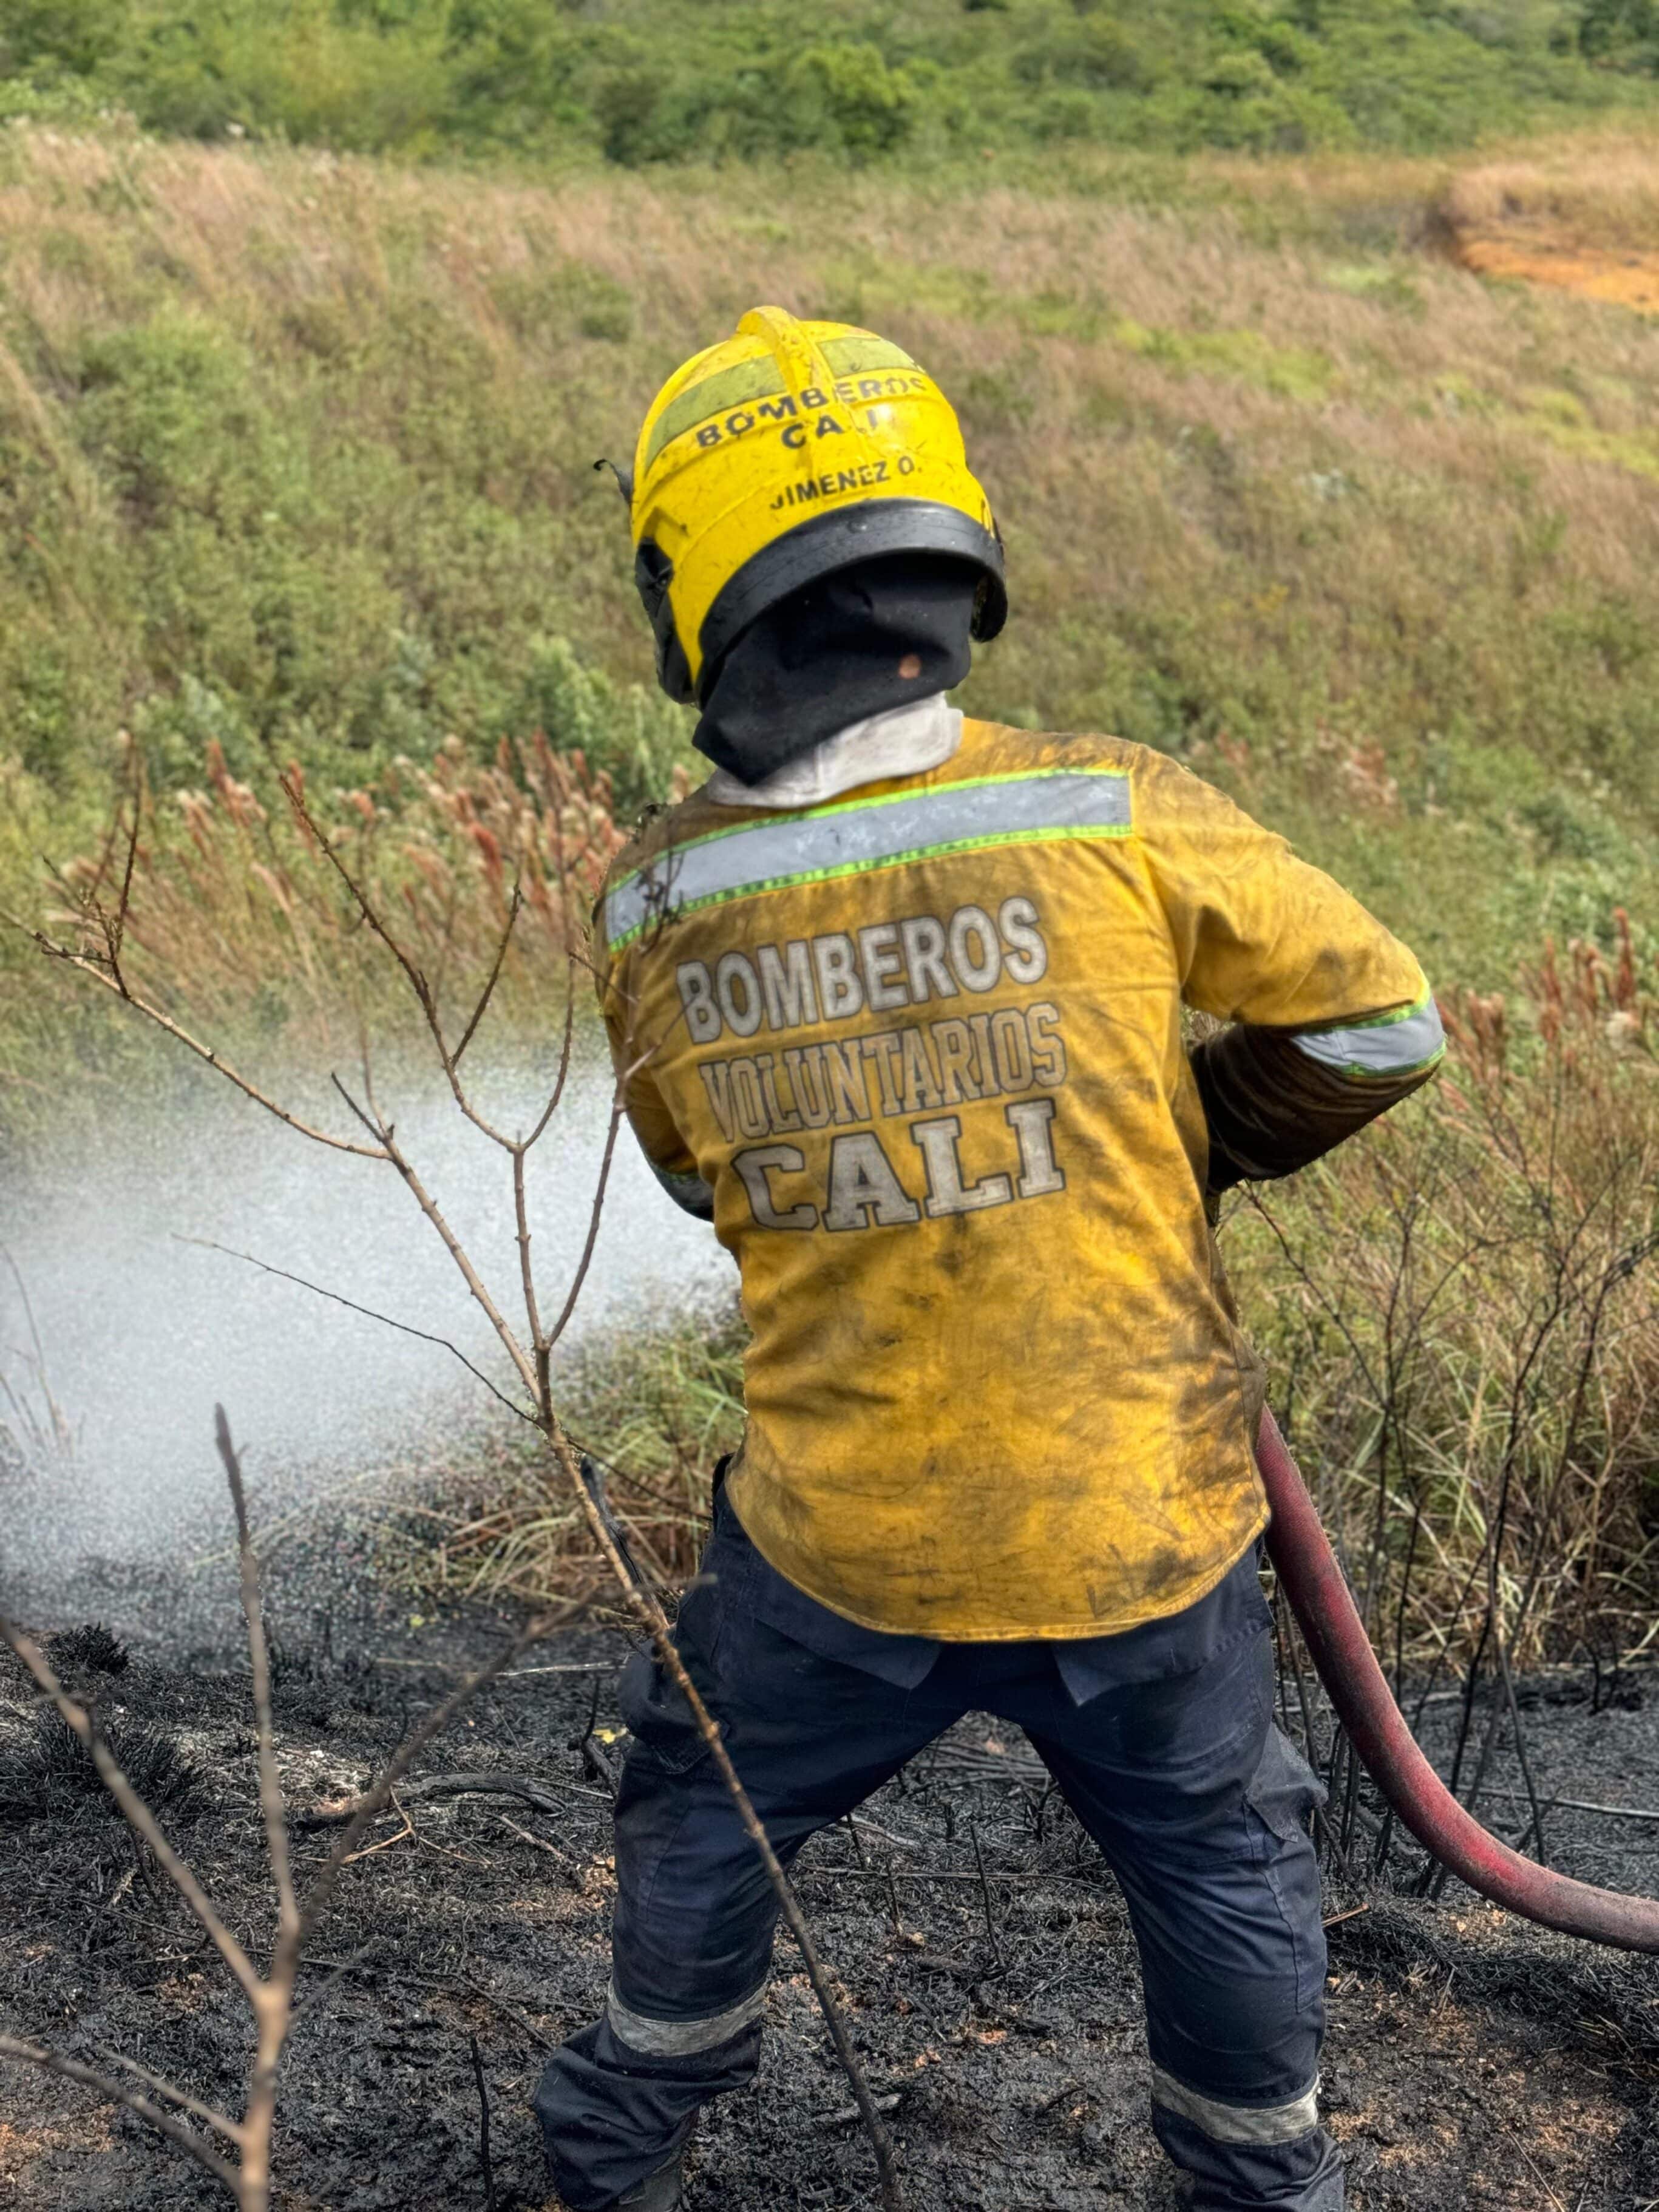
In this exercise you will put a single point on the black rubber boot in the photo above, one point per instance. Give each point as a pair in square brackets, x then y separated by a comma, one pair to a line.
[661, 2191]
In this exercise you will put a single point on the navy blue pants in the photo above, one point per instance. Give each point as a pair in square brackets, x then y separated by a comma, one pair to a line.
[1197, 1803]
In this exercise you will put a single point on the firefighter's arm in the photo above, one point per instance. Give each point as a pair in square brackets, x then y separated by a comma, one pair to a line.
[666, 1153]
[1331, 1021]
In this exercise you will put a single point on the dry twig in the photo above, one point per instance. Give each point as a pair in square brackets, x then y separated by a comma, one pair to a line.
[270, 1996]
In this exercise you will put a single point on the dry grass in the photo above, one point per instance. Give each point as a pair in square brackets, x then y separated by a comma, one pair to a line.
[656, 1409]
[1275, 474]
[1586, 223]
[1599, 191]
[1459, 1314]
[231, 916]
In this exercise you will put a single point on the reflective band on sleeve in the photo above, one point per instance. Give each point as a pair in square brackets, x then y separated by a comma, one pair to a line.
[679, 2039]
[690, 1192]
[825, 841]
[1238, 2124]
[1394, 1044]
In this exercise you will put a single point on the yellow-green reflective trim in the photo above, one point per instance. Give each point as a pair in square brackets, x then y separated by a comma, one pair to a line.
[835, 806]
[761, 379]
[821, 844]
[1379, 1048]
[849, 357]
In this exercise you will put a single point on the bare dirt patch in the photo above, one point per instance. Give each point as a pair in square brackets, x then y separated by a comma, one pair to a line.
[1472, 2061]
[1581, 215]
[1617, 279]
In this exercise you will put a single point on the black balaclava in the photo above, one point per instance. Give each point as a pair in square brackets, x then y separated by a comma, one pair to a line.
[832, 654]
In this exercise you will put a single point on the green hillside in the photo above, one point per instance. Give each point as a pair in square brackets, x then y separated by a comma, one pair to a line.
[640, 81]
[298, 452]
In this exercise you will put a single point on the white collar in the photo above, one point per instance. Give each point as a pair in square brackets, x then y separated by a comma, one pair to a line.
[905, 740]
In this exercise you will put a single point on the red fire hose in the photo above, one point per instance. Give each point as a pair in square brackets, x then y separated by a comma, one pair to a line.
[1336, 1636]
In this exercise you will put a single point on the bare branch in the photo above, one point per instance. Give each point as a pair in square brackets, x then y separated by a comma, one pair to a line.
[510, 1343]
[369, 1313]
[560, 1326]
[139, 1814]
[270, 1788]
[114, 928]
[218, 2121]
[478, 1012]
[71, 2069]
[322, 842]
[204, 1052]
[491, 1785]
[527, 1276]
[552, 1106]
[414, 975]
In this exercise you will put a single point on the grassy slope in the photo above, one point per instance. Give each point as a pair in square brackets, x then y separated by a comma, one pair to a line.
[301, 447]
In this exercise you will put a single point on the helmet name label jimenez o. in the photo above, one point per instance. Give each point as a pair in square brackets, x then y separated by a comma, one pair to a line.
[921, 1073]
[865, 477]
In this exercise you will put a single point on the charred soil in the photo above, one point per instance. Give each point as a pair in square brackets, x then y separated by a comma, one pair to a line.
[1473, 2061]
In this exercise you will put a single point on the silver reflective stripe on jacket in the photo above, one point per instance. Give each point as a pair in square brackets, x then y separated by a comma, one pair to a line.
[825, 841]
[1394, 1044]
[679, 2039]
[1238, 2124]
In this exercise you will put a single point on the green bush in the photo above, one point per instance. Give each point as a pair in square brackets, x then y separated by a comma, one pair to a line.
[640, 82]
[1622, 34]
[77, 36]
[845, 96]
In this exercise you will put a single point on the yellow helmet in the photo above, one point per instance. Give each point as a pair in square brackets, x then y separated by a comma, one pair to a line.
[788, 450]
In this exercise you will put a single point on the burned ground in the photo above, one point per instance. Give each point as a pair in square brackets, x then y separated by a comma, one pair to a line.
[1472, 2061]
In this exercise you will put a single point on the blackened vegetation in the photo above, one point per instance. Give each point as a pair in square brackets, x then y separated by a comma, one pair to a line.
[984, 1951]
[90, 1649]
[47, 1770]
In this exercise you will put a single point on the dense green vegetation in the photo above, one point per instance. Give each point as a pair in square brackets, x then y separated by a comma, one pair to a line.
[648, 80]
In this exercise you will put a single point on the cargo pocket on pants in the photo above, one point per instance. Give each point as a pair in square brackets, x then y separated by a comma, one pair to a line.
[1284, 1791]
[656, 1715]
[1283, 1795]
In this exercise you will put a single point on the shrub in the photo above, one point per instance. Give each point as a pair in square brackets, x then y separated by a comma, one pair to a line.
[168, 412]
[74, 36]
[1460, 1314]
[1622, 34]
[844, 96]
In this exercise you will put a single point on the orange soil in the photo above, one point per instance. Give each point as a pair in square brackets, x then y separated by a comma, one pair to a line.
[1626, 280]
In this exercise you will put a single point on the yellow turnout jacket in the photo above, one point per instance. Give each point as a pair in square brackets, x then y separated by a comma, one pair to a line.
[924, 1045]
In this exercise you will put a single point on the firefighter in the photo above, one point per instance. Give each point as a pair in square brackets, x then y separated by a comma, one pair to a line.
[897, 1001]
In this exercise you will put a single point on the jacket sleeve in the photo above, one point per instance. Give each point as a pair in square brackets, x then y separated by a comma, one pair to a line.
[666, 1152]
[1331, 1021]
